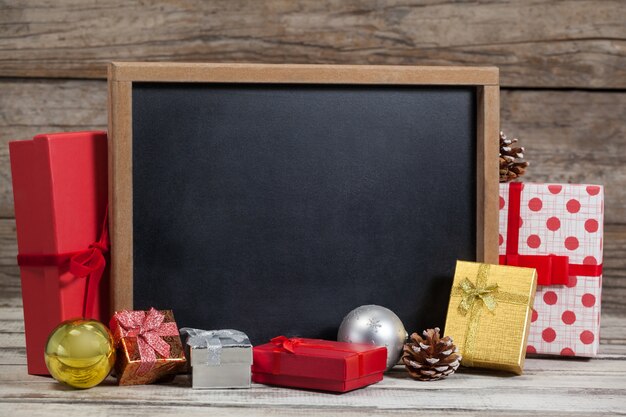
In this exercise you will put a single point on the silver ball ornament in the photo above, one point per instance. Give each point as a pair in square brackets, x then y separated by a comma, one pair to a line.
[375, 325]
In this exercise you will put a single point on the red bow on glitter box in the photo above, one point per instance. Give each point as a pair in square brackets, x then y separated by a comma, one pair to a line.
[551, 269]
[148, 327]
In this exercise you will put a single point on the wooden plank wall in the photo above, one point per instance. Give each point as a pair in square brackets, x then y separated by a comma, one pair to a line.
[563, 72]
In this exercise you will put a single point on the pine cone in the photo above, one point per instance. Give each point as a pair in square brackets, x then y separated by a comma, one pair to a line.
[430, 358]
[512, 164]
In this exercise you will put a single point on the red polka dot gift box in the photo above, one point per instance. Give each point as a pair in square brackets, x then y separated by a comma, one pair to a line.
[557, 229]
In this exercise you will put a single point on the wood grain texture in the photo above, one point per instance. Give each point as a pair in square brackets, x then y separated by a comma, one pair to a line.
[570, 136]
[559, 43]
[548, 386]
[574, 386]
[121, 194]
[301, 73]
[487, 126]
[60, 407]
[29, 107]
[10, 290]
[8, 243]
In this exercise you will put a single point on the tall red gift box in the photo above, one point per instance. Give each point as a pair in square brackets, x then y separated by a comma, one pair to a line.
[60, 193]
[318, 364]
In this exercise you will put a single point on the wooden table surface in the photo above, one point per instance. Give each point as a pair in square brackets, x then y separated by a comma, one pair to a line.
[548, 387]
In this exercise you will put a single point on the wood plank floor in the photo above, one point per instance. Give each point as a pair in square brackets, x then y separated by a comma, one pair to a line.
[548, 387]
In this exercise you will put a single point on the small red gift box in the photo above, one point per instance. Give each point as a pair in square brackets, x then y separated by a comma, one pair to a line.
[318, 364]
[60, 192]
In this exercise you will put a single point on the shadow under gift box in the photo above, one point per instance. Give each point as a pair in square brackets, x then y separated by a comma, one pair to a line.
[60, 193]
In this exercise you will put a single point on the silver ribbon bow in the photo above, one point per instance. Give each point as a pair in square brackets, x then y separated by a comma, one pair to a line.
[214, 341]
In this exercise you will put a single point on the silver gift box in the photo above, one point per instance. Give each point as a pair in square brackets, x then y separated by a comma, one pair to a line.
[218, 358]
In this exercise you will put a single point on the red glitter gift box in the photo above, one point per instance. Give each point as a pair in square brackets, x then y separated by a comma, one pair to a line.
[318, 364]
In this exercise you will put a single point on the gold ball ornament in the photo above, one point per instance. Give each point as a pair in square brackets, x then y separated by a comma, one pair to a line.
[80, 353]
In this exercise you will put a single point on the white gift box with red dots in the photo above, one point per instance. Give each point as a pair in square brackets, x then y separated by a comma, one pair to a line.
[566, 220]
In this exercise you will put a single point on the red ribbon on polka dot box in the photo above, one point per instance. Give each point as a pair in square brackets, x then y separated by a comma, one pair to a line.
[557, 229]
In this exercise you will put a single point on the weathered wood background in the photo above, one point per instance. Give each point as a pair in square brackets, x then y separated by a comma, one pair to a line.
[562, 63]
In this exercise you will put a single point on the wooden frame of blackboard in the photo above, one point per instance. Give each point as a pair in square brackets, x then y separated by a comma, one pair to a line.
[122, 75]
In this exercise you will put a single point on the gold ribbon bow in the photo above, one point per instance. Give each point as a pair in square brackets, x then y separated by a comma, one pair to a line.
[481, 291]
[474, 297]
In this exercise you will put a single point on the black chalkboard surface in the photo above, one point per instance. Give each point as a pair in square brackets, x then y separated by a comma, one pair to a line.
[274, 199]
[276, 209]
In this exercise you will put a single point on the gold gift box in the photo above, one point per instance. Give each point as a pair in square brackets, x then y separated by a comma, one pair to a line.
[489, 314]
[128, 362]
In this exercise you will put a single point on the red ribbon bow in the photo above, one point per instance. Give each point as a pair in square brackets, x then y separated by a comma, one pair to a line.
[283, 343]
[148, 328]
[287, 344]
[87, 263]
[290, 344]
[551, 269]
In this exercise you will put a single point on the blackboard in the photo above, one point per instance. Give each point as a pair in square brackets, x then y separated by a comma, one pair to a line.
[276, 208]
